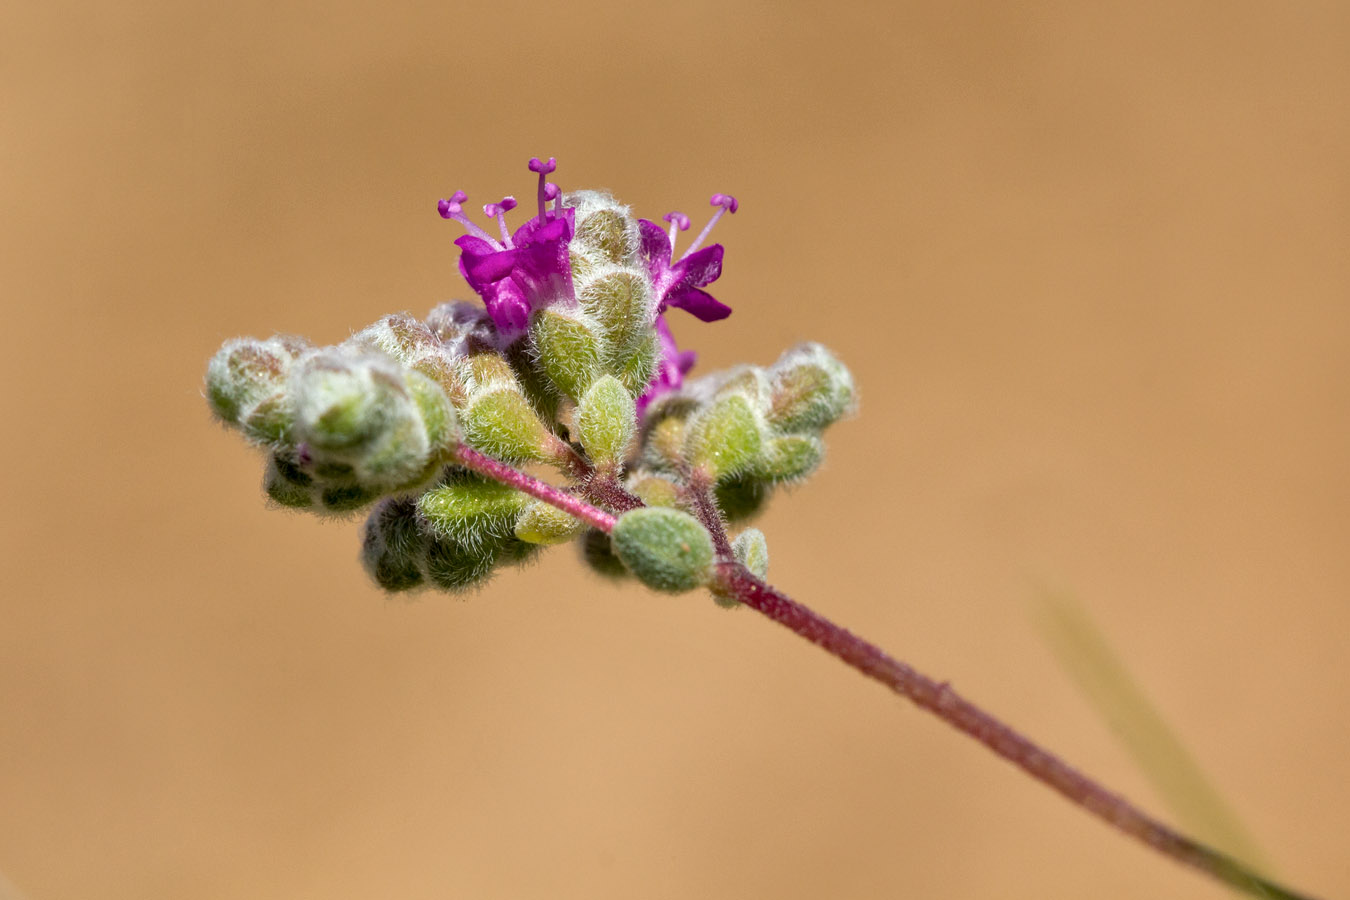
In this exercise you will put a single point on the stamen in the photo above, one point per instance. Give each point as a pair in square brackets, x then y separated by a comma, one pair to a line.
[498, 211]
[678, 222]
[452, 209]
[543, 168]
[725, 203]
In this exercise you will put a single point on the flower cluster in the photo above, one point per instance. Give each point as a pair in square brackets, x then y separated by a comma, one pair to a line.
[568, 362]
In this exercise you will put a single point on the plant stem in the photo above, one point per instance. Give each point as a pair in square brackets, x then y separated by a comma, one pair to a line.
[699, 493]
[939, 699]
[568, 503]
[933, 696]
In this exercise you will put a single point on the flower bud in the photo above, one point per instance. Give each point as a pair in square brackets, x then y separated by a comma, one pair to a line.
[811, 389]
[471, 510]
[345, 497]
[502, 424]
[287, 484]
[638, 364]
[270, 421]
[751, 382]
[567, 348]
[654, 490]
[725, 437]
[386, 423]
[742, 497]
[247, 373]
[791, 457]
[751, 550]
[605, 228]
[541, 523]
[666, 549]
[394, 546]
[417, 345]
[620, 299]
[455, 567]
[606, 421]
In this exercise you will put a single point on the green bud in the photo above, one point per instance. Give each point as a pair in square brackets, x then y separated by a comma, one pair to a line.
[567, 349]
[371, 415]
[791, 457]
[502, 424]
[394, 547]
[654, 490]
[638, 364]
[541, 523]
[811, 389]
[417, 346]
[752, 551]
[607, 421]
[456, 322]
[620, 300]
[399, 335]
[471, 510]
[750, 382]
[666, 549]
[269, 421]
[724, 438]
[605, 228]
[246, 371]
[345, 498]
[286, 484]
[742, 497]
[488, 370]
[455, 567]
[515, 552]
[340, 399]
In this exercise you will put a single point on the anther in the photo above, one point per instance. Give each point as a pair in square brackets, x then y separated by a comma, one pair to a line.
[725, 203]
[678, 222]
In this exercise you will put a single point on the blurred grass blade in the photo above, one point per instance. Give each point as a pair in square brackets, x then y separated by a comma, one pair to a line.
[1087, 656]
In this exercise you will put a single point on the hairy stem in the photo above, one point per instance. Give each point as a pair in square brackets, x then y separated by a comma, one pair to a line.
[699, 493]
[939, 698]
[568, 503]
[936, 697]
[605, 490]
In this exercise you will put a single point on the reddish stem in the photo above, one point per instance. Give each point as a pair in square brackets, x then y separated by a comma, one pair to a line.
[499, 471]
[933, 696]
[939, 699]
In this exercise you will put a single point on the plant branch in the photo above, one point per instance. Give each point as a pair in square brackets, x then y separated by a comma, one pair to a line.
[939, 699]
[699, 493]
[936, 697]
[568, 503]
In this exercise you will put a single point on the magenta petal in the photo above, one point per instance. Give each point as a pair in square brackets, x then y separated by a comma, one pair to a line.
[700, 268]
[653, 247]
[556, 228]
[506, 303]
[700, 304]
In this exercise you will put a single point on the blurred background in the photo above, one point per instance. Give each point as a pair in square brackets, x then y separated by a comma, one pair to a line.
[1087, 261]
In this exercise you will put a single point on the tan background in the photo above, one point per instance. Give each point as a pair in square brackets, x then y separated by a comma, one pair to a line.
[1088, 261]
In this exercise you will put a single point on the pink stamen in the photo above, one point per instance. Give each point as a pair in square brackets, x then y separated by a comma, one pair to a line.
[725, 203]
[678, 222]
[543, 168]
[498, 211]
[453, 209]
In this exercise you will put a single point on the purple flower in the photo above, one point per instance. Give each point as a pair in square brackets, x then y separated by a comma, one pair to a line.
[523, 271]
[679, 283]
[670, 368]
